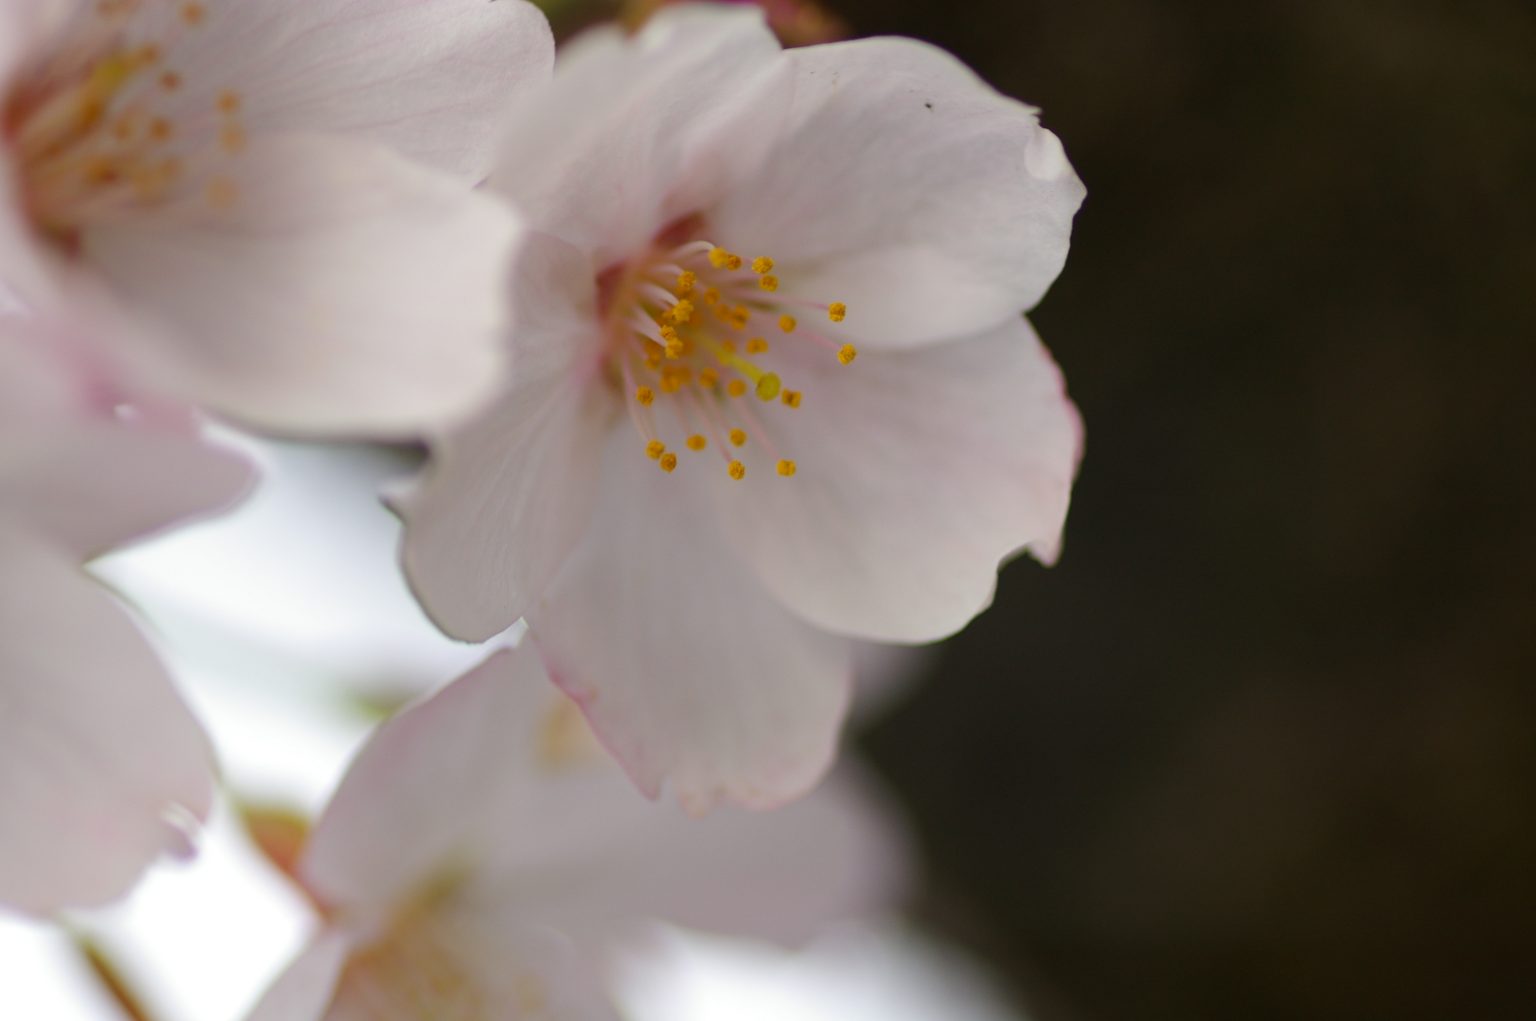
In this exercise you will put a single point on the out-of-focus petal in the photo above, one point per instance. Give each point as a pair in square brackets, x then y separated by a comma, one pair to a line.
[342, 289]
[689, 671]
[101, 765]
[636, 132]
[430, 80]
[508, 495]
[304, 990]
[907, 188]
[919, 471]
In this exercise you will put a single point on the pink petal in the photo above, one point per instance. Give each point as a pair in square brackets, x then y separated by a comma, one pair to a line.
[688, 669]
[918, 472]
[304, 990]
[508, 495]
[101, 765]
[635, 132]
[345, 290]
[905, 187]
[429, 79]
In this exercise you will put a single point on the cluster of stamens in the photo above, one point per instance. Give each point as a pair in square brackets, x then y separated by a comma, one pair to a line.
[689, 336]
[97, 126]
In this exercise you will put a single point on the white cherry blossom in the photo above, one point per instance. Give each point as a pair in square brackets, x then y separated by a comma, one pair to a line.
[483, 858]
[775, 388]
[102, 767]
[279, 190]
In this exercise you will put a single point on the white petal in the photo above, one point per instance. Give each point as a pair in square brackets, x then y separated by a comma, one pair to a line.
[99, 758]
[344, 291]
[908, 189]
[636, 132]
[303, 991]
[918, 472]
[508, 495]
[688, 670]
[430, 80]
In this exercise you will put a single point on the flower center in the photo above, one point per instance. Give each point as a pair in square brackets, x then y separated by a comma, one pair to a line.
[101, 127]
[692, 333]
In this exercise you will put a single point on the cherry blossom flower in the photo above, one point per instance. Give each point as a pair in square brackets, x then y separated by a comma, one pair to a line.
[102, 768]
[775, 389]
[484, 858]
[279, 189]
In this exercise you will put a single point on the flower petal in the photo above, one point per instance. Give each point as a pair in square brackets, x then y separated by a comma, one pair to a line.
[345, 290]
[427, 79]
[940, 462]
[99, 758]
[635, 132]
[907, 188]
[303, 991]
[687, 669]
[508, 495]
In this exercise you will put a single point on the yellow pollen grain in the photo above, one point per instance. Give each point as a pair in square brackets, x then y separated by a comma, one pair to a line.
[738, 437]
[170, 81]
[712, 296]
[757, 346]
[732, 262]
[671, 384]
[674, 348]
[768, 386]
[697, 442]
[769, 283]
[686, 279]
[193, 14]
[762, 264]
[736, 387]
[736, 470]
[787, 323]
[655, 449]
[786, 468]
[645, 395]
[668, 461]
[229, 102]
[221, 193]
[837, 311]
[847, 353]
[682, 311]
[791, 398]
[719, 257]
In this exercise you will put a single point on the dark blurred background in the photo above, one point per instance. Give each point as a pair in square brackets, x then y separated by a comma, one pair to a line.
[1263, 745]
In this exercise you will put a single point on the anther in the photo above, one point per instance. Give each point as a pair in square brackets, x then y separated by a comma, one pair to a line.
[655, 449]
[719, 258]
[668, 461]
[738, 437]
[697, 442]
[193, 14]
[787, 323]
[791, 398]
[762, 264]
[847, 353]
[786, 468]
[682, 311]
[645, 395]
[757, 346]
[736, 387]
[736, 470]
[837, 311]
[685, 281]
[229, 102]
[769, 283]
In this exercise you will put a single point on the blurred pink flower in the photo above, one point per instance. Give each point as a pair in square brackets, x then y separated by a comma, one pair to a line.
[794, 280]
[279, 189]
[102, 768]
[484, 858]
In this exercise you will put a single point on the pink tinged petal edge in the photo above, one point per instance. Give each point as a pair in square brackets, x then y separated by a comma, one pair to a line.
[508, 495]
[919, 472]
[906, 187]
[100, 761]
[346, 291]
[688, 671]
[637, 131]
[429, 79]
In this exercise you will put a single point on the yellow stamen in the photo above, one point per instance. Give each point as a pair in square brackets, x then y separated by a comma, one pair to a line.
[739, 437]
[769, 283]
[719, 257]
[682, 311]
[668, 461]
[708, 377]
[791, 398]
[193, 14]
[711, 295]
[675, 348]
[685, 281]
[229, 102]
[787, 323]
[786, 468]
[837, 311]
[757, 346]
[697, 442]
[645, 395]
[762, 264]
[847, 353]
[736, 388]
[655, 449]
[736, 470]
